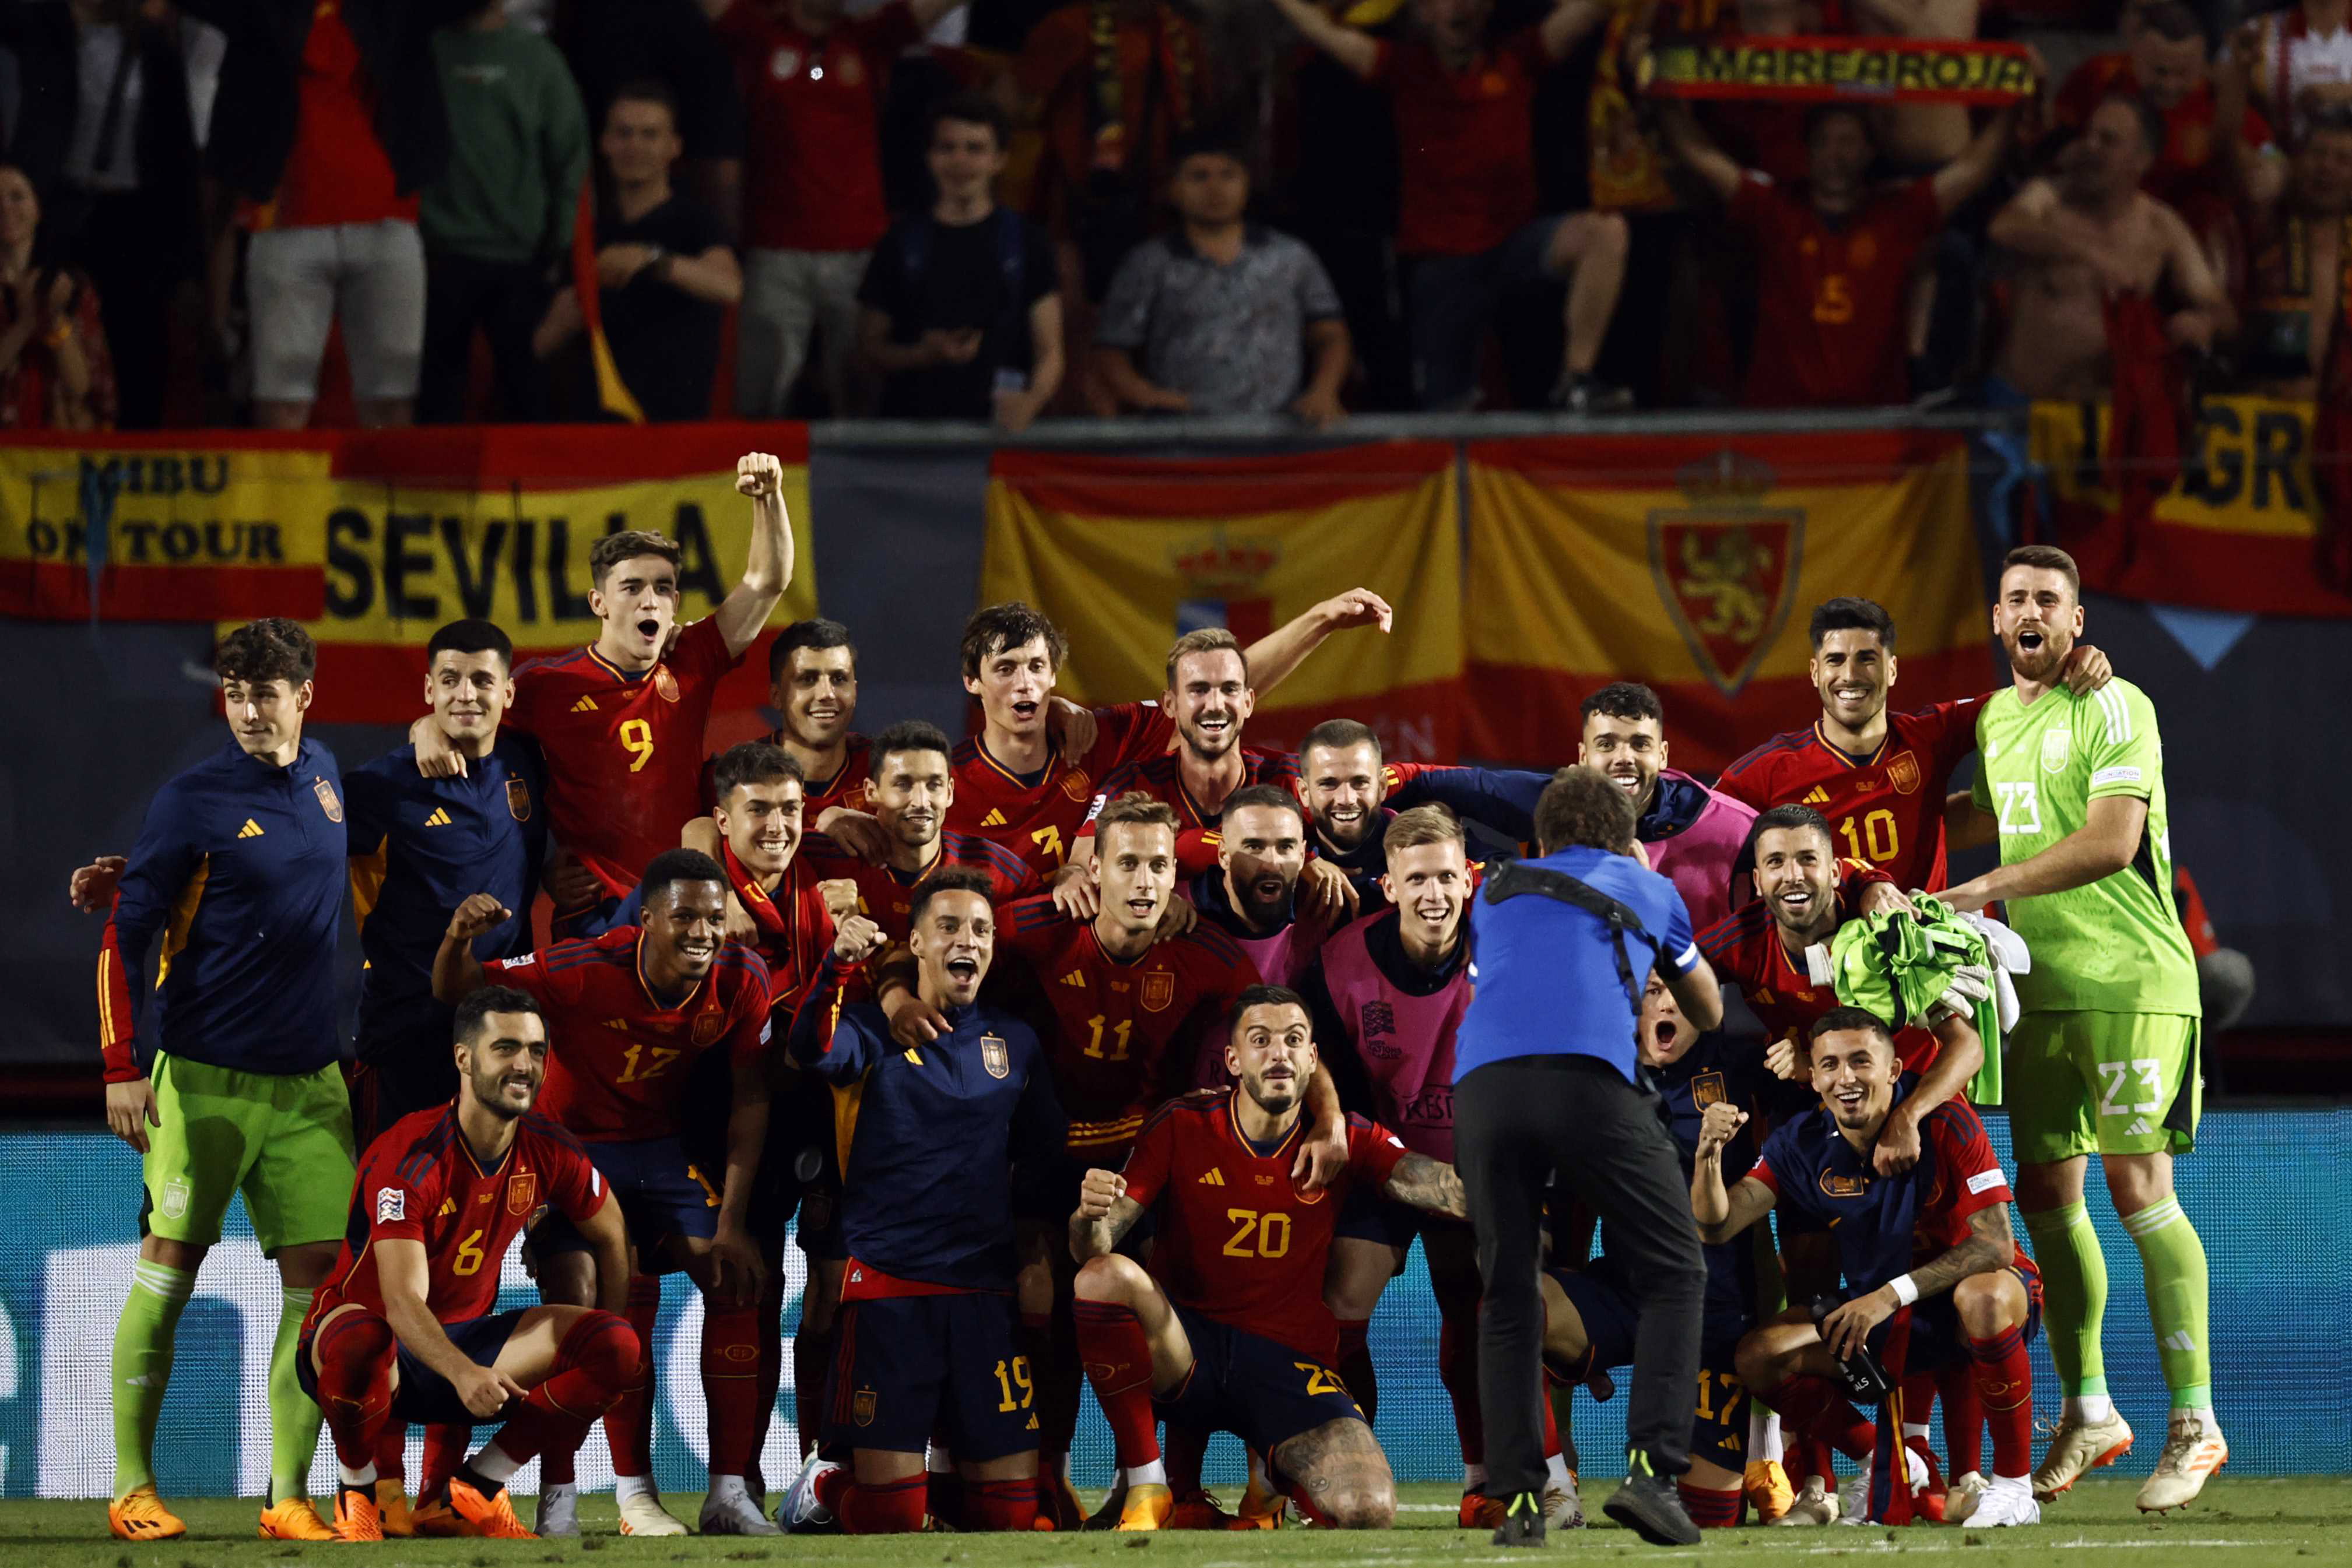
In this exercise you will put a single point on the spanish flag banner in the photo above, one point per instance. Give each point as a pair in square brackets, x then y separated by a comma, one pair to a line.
[613, 395]
[1129, 553]
[1823, 70]
[2243, 528]
[1692, 564]
[159, 527]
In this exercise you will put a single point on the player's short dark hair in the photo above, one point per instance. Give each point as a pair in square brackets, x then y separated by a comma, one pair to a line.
[1272, 795]
[1821, 114]
[480, 1005]
[646, 90]
[470, 637]
[1839, 1020]
[993, 628]
[270, 649]
[970, 107]
[1850, 614]
[949, 879]
[1134, 809]
[1781, 818]
[2170, 20]
[1214, 139]
[627, 545]
[2153, 130]
[2047, 557]
[1622, 699]
[1340, 734]
[814, 634]
[1581, 807]
[753, 762]
[673, 866]
[1264, 995]
[907, 734]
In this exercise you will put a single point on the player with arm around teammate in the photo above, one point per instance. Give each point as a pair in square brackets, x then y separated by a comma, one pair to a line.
[403, 1327]
[1228, 1329]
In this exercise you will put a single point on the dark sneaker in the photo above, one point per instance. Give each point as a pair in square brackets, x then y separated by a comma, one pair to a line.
[1581, 392]
[1649, 1506]
[1523, 1522]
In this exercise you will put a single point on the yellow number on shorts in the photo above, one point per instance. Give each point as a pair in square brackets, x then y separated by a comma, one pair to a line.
[710, 1193]
[1320, 1379]
[662, 1057]
[1725, 1404]
[1869, 843]
[1260, 1236]
[1018, 1378]
[1117, 1039]
[469, 1254]
[1049, 840]
[637, 740]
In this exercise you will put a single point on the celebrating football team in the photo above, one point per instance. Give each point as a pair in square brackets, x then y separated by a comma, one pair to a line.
[1102, 1049]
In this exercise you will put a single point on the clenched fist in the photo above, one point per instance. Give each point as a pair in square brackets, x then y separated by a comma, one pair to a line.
[1098, 1192]
[759, 474]
[480, 914]
[1716, 1127]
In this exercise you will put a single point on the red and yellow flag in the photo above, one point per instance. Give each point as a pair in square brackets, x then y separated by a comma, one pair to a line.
[1692, 564]
[612, 393]
[1129, 553]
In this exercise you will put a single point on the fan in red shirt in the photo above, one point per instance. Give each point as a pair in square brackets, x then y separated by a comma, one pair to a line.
[1880, 777]
[621, 721]
[1834, 257]
[403, 1327]
[1019, 785]
[1209, 699]
[2166, 61]
[1228, 1330]
[635, 1008]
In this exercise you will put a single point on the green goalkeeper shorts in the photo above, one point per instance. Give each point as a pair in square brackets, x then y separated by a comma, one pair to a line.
[284, 1141]
[2105, 1084]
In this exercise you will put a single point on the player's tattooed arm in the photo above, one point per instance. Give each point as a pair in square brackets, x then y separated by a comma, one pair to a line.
[1104, 1216]
[457, 973]
[1323, 1152]
[768, 568]
[1989, 1247]
[1428, 1183]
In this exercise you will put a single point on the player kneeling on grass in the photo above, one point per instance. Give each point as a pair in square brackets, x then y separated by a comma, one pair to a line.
[402, 1328]
[1935, 1272]
[1228, 1330]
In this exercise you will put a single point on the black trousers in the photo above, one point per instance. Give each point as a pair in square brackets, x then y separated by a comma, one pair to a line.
[506, 300]
[1516, 1123]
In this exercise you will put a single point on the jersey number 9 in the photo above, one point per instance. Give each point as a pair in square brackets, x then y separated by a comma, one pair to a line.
[637, 739]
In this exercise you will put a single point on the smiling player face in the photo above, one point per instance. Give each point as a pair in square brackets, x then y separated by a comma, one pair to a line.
[1342, 788]
[761, 824]
[1853, 673]
[1211, 702]
[1135, 868]
[952, 944]
[2037, 620]
[1013, 687]
[912, 791]
[1796, 877]
[505, 1064]
[817, 694]
[637, 602]
[1263, 850]
[1429, 885]
[469, 693]
[1854, 1072]
[1273, 1053]
[685, 924]
[1628, 751]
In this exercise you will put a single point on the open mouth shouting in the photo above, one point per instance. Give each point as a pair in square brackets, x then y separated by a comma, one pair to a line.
[964, 969]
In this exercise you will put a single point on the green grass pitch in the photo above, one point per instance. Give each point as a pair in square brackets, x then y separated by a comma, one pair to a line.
[2254, 1523]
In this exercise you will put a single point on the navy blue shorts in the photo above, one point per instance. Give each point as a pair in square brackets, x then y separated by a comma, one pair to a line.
[661, 1192]
[1720, 1420]
[1262, 1392]
[425, 1396]
[1937, 1339]
[902, 1363]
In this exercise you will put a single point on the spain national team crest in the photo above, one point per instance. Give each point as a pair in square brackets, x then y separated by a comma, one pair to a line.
[708, 1025]
[1903, 772]
[665, 683]
[1157, 989]
[1707, 1089]
[994, 1056]
[2057, 744]
[522, 1192]
[519, 799]
[173, 1202]
[1836, 1186]
[1078, 784]
[328, 803]
[1726, 565]
[861, 1409]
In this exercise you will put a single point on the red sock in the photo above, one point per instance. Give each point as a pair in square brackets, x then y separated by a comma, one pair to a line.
[391, 1451]
[1187, 1451]
[812, 1356]
[1550, 1417]
[446, 1444]
[1964, 1421]
[894, 1507]
[1118, 1363]
[1812, 1404]
[731, 1385]
[629, 1423]
[2004, 1386]
[771, 1358]
[1457, 1369]
[355, 1356]
[1000, 1505]
[1354, 1364]
[597, 1358]
[1709, 1510]
[1809, 1456]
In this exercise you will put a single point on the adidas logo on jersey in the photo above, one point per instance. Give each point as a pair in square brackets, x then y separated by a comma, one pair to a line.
[994, 819]
[621, 1024]
[2138, 1129]
[1214, 1178]
[586, 705]
[449, 1206]
[439, 819]
[1817, 796]
[2180, 1340]
[1073, 978]
[252, 829]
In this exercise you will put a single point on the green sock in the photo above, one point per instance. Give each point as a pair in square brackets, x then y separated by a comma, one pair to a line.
[2173, 1263]
[142, 1367]
[294, 1416]
[2074, 1294]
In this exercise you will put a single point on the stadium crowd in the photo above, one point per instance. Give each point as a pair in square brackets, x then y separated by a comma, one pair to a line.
[221, 211]
[1102, 1046]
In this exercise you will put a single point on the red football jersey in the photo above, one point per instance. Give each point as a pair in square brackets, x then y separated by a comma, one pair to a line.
[1886, 808]
[419, 1182]
[1127, 1030]
[1162, 779]
[795, 927]
[1832, 298]
[623, 751]
[852, 786]
[1967, 1177]
[887, 898]
[1236, 1240]
[1037, 817]
[619, 1059]
[1744, 948]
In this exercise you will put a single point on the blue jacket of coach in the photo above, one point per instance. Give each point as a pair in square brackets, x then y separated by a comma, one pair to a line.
[1546, 972]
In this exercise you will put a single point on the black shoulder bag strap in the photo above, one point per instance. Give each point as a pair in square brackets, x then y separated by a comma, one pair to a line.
[1515, 878]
